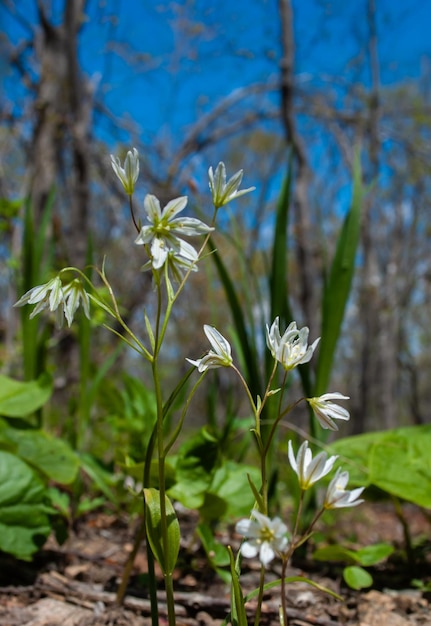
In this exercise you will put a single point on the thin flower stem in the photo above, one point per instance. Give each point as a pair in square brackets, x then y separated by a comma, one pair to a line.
[283, 590]
[298, 516]
[158, 338]
[260, 596]
[133, 214]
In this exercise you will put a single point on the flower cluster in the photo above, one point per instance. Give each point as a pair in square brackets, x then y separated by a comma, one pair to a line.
[64, 300]
[268, 537]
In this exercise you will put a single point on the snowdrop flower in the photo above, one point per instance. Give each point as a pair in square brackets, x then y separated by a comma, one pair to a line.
[326, 411]
[223, 192]
[220, 356]
[128, 174]
[164, 230]
[309, 470]
[292, 348]
[265, 536]
[64, 300]
[337, 496]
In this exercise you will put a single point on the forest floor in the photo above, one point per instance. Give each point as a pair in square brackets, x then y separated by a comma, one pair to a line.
[74, 584]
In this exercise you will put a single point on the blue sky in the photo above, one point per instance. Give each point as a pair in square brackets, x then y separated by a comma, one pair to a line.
[193, 53]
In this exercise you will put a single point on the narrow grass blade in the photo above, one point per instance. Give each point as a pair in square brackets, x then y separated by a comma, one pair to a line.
[338, 285]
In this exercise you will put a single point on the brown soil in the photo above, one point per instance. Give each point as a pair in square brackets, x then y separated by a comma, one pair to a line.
[74, 584]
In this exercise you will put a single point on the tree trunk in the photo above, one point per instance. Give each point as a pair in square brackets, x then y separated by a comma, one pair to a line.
[302, 222]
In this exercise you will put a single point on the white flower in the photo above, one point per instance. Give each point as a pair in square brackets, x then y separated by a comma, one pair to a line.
[220, 356]
[223, 192]
[265, 536]
[164, 230]
[64, 300]
[128, 174]
[74, 294]
[309, 470]
[337, 496]
[326, 411]
[292, 348]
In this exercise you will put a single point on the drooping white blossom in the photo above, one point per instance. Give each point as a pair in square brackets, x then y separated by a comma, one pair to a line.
[56, 297]
[327, 411]
[337, 496]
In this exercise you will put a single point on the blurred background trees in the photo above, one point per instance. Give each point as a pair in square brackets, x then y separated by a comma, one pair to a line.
[189, 84]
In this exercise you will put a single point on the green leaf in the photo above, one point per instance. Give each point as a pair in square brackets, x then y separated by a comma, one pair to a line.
[239, 316]
[24, 521]
[229, 495]
[167, 561]
[52, 456]
[357, 578]
[396, 461]
[278, 278]
[215, 551]
[238, 614]
[336, 553]
[371, 555]
[19, 399]
[337, 288]
[196, 463]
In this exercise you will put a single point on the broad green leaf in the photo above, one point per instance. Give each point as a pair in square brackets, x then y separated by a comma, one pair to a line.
[371, 555]
[401, 466]
[356, 577]
[397, 461]
[229, 495]
[19, 399]
[24, 521]
[196, 463]
[337, 288]
[102, 478]
[336, 553]
[215, 551]
[167, 560]
[50, 455]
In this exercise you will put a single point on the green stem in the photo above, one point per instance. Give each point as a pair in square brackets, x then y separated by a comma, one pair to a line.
[260, 596]
[158, 338]
[283, 590]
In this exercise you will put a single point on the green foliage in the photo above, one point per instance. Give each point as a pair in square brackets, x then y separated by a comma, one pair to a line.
[24, 508]
[153, 514]
[29, 460]
[217, 555]
[396, 461]
[354, 574]
[51, 456]
[18, 399]
[207, 481]
[338, 284]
